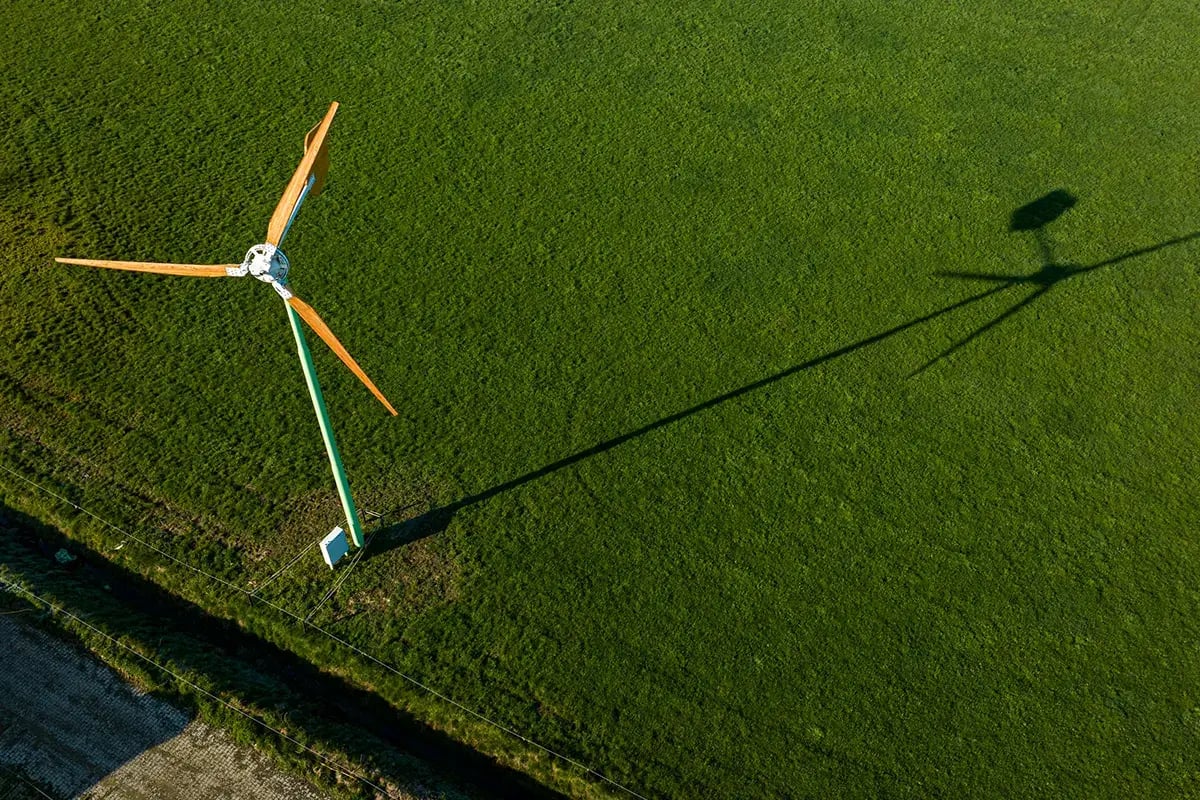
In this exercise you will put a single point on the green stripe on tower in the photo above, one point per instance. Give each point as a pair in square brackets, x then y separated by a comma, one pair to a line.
[354, 527]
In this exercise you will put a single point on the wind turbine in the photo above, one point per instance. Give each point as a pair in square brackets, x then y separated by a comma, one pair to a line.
[268, 263]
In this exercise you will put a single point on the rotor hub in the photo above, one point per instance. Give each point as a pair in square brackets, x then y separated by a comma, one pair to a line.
[267, 263]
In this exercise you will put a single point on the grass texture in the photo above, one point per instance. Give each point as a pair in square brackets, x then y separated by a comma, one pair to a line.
[685, 483]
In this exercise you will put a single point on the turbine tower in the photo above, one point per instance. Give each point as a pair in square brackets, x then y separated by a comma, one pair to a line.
[267, 262]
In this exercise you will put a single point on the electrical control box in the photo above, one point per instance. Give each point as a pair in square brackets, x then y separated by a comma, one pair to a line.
[334, 546]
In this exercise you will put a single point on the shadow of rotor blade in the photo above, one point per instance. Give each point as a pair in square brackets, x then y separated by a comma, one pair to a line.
[980, 331]
[436, 520]
[1141, 252]
[718, 400]
[982, 276]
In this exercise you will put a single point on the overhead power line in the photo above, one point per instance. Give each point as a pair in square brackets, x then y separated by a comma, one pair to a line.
[339, 640]
[58, 609]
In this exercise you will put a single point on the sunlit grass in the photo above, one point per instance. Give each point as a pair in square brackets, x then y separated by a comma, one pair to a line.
[652, 287]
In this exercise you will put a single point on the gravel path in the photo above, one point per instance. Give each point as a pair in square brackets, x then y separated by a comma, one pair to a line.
[72, 724]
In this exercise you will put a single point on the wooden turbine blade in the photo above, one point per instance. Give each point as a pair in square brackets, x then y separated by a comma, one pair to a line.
[194, 270]
[318, 325]
[321, 165]
[313, 147]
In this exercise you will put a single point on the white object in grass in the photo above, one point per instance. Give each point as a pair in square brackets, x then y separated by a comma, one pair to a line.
[334, 546]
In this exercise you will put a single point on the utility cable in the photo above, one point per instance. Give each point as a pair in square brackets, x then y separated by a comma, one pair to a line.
[286, 567]
[126, 533]
[327, 762]
[341, 578]
[17, 775]
[333, 637]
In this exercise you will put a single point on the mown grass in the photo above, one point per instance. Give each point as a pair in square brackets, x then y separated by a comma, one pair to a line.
[588, 249]
[310, 722]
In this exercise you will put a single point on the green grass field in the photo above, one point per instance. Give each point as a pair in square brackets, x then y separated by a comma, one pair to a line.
[696, 504]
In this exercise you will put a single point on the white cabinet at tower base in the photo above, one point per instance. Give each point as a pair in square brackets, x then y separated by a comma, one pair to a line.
[334, 546]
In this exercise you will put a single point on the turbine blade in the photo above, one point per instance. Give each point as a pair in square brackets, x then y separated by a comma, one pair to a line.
[321, 164]
[313, 146]
[318, 325]
[194, 270]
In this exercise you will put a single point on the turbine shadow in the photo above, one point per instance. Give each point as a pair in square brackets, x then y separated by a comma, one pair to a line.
[1032, 217]
[1049, 276]
[435, 520]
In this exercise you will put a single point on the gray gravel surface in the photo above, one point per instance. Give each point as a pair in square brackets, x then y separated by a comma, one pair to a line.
[71, 723]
